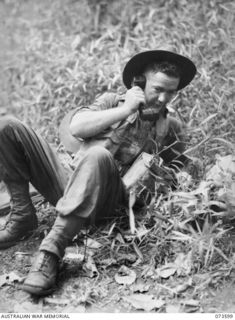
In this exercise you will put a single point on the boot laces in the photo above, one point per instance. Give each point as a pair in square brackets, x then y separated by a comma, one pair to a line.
[44, 264]
[8, 220]
[9, 223]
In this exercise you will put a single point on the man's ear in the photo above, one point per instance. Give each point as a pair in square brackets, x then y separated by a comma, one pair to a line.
[139, 81]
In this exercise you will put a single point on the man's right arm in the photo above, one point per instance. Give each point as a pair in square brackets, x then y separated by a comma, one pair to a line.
[90, 123]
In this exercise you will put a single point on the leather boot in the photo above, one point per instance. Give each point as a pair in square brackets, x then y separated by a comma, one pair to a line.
[42, 275]
[22, 219]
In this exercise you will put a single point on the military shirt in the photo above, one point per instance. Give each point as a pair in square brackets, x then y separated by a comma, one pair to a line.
[128, 138]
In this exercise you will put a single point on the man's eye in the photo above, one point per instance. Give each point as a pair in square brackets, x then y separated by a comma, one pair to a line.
[158, 90]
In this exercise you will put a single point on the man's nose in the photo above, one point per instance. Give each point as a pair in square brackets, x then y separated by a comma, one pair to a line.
[163, 97]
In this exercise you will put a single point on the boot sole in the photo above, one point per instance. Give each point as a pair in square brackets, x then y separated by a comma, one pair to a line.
[37, 291]
[10, 244]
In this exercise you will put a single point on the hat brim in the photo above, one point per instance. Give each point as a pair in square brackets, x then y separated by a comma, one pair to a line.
[136, 65]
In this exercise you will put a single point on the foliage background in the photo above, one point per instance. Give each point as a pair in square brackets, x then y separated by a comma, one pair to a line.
[56, 55]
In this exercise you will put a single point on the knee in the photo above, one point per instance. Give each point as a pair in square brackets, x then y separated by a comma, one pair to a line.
[8, 121]
[98, 152]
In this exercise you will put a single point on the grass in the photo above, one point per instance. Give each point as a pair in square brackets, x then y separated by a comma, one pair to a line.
[60, 54]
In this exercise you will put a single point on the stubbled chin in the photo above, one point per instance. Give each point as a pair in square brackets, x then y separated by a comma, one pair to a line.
[156, 107]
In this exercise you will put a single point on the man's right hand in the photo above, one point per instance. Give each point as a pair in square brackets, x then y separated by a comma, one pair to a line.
[90, 123]
[133, 99]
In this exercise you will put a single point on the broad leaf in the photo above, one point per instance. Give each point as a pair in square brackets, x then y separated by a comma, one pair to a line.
[166, 271]
[9, 278]
[173, 308]
[144, 302]
[125, 276]
[92, 244]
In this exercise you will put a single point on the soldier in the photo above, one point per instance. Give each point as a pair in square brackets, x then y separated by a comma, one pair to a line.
[110, 134]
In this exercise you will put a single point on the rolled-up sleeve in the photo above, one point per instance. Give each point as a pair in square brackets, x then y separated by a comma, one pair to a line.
[105, 101]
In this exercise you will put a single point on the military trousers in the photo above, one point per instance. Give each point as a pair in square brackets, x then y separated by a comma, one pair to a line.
[92, 191]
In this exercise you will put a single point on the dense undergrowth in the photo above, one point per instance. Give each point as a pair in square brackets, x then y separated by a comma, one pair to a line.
[61, 54]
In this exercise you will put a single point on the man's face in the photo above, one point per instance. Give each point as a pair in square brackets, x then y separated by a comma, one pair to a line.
[160, 89]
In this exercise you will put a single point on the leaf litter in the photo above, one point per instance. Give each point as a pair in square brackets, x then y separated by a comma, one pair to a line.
[10, 278]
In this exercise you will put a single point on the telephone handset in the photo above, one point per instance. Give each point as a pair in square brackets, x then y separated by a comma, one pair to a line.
[139, 81]
[149, 114]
